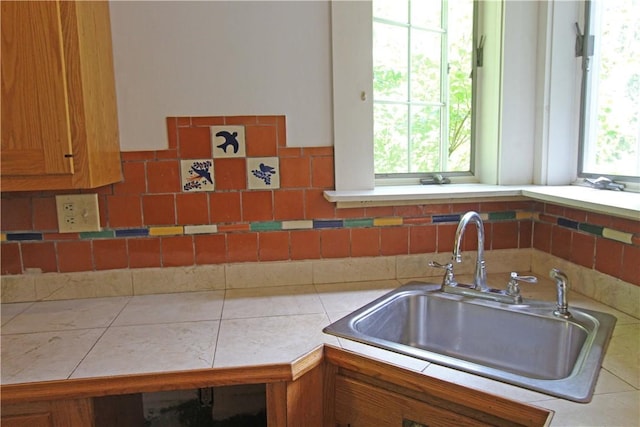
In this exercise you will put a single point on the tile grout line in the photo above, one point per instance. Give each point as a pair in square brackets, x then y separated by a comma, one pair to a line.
[100, 337]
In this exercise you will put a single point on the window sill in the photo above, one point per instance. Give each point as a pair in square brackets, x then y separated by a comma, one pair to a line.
[622, 204]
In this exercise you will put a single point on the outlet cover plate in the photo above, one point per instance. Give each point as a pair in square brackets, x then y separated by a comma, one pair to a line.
[78, 213]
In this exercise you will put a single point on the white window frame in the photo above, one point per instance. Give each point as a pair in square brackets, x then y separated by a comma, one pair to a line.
[528, 127]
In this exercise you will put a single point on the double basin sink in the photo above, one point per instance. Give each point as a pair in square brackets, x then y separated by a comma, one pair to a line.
[522, 344]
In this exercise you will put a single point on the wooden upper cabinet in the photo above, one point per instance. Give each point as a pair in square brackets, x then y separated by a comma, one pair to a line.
[59, 114]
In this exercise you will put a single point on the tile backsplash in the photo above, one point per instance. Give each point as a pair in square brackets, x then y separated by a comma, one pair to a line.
[201, 202]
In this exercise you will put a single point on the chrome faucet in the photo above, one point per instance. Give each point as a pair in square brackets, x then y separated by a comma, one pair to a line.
[479, 287]
[480, 277]
[562, 309]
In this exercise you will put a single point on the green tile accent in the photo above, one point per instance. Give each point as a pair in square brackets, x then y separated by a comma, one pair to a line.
[104, 234]
[497, 216]
[266, 226]
[354, 223]
[590, 228]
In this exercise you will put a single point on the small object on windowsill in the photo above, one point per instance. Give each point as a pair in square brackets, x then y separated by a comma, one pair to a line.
[604, 183]
[435, 179]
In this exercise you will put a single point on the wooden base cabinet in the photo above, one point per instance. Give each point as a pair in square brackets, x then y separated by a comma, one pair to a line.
[53, 413]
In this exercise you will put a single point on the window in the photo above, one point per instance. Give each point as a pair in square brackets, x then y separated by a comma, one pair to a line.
[610, 119]
[422, 86]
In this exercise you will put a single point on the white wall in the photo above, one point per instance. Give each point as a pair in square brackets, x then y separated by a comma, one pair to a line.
[214, 58]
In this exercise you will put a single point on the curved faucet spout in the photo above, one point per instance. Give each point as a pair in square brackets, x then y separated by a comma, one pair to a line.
[480, 277]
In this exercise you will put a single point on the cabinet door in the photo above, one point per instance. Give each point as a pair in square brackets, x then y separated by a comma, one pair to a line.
[55, 413]
[358, 404]
[36, 137]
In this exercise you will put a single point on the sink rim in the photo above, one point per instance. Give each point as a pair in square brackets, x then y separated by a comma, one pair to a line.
[577, 386]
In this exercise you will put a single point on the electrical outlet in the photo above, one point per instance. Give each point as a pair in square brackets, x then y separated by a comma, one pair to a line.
[77, 213]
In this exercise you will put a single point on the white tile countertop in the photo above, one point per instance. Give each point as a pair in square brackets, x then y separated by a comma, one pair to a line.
[100, 337]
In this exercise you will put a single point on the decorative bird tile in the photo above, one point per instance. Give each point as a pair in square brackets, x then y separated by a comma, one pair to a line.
[263, 172]
[228, 141]
[197, 175]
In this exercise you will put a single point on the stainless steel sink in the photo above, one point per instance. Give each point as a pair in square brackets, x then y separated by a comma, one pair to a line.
[523, 344]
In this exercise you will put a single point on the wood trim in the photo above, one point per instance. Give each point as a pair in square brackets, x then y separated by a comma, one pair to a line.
[142, 383]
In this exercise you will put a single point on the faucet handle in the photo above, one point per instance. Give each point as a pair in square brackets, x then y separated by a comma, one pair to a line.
[448, 274]
[515, 277]
[512, 287]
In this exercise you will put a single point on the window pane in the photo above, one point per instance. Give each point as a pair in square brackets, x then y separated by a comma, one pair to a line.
[612, 140]
[390, 129]
[393, 10]
[426, 14]
[425, 150]
[423, 88]
[426, 66]
[390, 62]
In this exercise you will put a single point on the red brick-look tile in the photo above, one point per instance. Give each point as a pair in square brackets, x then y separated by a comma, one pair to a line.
[261, 141]
[124, 211]
[39, 255]
[446, 235]
[599, 219]
[45, 216]
[130, 156]
[409, 212]
[177, 251]
[322, 172]
[631, 265]
[10, 258]
[626, 225]
[317, 207]
[144, 252]
[462, 208]
[295, 172]
[257, 206]
[16, 214]
[305, 244]
[135, 179]
[158, 209]
[394, 241]
[241, 120]
[225, 207]
[608, 256]
[365, 242]
[74, 256]
[575, 215]
[230, 174]
[542, 236]
[505, 235]
[172, 132]
[242, 247]
[561, 242]
[192, 208]
[423, 239]
[163, 176]
[346, 213]
[583, 249]
[289, 152]
[207, 121]
[273, 246]
[110, 254]
[335, 243]
[445, 208]
[61, 236]
[288, 204]
[170, 154]
[318, 151]
[194, 143]
[526, 234]
[281, 124]
[184, 121]
[267, 120]
[379, 211]
[554, 209]
[210, 249]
